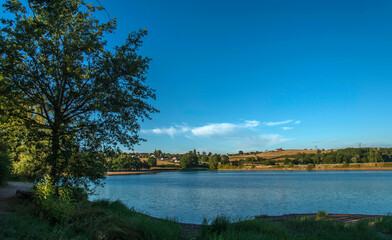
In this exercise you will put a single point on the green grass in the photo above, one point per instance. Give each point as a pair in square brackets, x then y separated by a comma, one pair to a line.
[113, 220]
[321, 215]
[90, 220]
[302, 228]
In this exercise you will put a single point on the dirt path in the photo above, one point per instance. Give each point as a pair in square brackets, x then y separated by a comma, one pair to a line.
[9, 191]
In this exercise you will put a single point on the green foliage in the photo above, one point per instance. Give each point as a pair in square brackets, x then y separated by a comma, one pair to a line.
[89, 220]
[4, 163]
[321, 215]
[217, 226]
[310, 167]
[225, 159]
[304, 228]
[189, 160]
[384, 224]
[204, 159]
[348, 155]
[125, 161]
[158, 153]
[69, 93]
[152, 161]
[213, 162]
[54, 202]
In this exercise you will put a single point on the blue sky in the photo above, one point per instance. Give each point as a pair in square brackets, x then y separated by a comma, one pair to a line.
[256, 75]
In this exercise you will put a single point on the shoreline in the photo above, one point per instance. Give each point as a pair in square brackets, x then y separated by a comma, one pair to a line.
[112, 173]
[313, 170]
[146, 172]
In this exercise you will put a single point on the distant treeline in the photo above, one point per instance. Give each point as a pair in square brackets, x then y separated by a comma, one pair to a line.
[347, 155]
[126, 161]
[194, 159]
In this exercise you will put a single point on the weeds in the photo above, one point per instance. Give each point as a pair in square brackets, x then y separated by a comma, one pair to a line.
[321, 215]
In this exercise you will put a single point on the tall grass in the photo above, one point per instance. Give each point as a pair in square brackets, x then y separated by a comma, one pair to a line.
[301, 228]
[87, 220]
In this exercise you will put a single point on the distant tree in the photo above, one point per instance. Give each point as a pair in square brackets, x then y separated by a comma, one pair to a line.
[209, 154]
[152, 161]
[60, 82]
[213, 162]
[189, 160]
[310, 167]
[225, 160]
[204, 159]
[287, 161]
[240, 152]
[158, 153]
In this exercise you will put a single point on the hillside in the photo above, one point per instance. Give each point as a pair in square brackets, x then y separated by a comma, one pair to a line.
[272, 154]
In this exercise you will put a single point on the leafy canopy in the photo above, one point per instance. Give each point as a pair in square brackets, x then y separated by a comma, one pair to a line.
[58, 80]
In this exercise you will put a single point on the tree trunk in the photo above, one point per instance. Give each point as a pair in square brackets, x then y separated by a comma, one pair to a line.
[54, 155]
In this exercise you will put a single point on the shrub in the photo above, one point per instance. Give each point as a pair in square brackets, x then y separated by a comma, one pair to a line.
[384, 224]
[310, 167]
[321, 215]
[54, 202]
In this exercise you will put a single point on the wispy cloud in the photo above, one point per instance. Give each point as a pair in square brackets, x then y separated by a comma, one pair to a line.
[171, 131]
[222, 128]
[214, 129]
[208, 130]
[297, 122]
[270, 124]
[287, 128]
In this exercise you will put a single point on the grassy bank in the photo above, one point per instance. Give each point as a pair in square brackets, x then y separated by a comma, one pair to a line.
[85, 220]
[112, 220]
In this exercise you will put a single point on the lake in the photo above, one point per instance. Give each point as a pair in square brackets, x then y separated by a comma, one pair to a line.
[191, 196]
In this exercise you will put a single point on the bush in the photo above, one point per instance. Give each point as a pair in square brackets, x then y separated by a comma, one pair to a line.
[310, 167]
[384, 224]
[321, 215]
[54, 202]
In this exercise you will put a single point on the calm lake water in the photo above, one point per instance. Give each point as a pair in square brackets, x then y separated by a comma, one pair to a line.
[191, 196]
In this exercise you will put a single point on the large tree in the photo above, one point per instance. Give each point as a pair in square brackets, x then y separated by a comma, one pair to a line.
[59, 80]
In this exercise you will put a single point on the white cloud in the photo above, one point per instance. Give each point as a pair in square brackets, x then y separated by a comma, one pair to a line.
[287, 128]
[171, 131]
[297, 122]
[214, 129]
[269, 124]
[251, 124]
[207, 130]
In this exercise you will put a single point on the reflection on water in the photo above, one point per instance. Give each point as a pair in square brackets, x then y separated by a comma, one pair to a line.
[190, 196]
